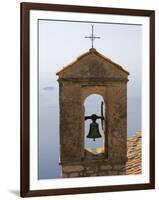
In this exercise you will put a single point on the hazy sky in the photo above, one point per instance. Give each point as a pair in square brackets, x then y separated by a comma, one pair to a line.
[60, 43]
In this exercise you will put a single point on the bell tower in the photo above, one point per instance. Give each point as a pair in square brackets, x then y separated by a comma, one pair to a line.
[93, 73]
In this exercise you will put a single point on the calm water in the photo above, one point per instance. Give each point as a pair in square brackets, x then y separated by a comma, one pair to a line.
[49, 136]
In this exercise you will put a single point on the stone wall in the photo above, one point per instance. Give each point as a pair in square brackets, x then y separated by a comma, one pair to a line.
[92, 73]
[71, 118]
[72, 95]
[93, 169]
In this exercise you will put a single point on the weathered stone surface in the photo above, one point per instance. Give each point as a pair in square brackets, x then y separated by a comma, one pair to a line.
[122, 173]
[92, 73]
[88, 168]
[119, 167]
[106, 167]
[81, 174]
[73, 168]
[94, 174]
[113, 172]
[65, 175]
[74, 175]
[90, 171]
[103, 173]
[87, 66]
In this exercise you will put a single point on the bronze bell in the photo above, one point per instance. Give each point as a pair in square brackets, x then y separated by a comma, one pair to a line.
[94, 128]
[94, 131]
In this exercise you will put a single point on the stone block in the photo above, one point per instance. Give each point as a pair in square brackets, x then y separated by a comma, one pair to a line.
[81, 174]
[89, 171]
[89, 168]
[106, 167]
[94, 174]
[122, 173]
[112, 172]
[71, 168]
[75, 174]
[65, 175]
[103, 173]
[118, 167]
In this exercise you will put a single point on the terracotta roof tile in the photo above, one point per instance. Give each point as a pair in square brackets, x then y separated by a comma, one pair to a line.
[133, 165]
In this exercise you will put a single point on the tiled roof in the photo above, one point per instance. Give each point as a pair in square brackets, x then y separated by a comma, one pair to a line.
[133, 165]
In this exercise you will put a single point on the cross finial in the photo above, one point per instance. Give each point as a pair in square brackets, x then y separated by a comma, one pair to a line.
[92, 36]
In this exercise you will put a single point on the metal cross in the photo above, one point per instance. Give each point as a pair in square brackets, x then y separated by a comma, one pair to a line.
[92, 36]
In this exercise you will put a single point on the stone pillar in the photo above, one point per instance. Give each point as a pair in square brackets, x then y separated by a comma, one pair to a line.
[117, 123]
[71, 131]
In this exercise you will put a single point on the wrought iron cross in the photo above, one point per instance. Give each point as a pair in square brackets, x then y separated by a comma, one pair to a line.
[92, 36]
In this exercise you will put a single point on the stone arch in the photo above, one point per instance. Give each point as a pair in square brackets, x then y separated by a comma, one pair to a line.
[92, 105]
[89, 90]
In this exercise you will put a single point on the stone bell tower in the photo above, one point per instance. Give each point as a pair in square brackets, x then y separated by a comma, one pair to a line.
[92, 73]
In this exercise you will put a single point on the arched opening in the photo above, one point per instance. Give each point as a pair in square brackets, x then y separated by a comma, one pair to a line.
[94, 130]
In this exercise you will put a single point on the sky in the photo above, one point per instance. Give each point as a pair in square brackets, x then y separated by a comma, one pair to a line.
[60, 43]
